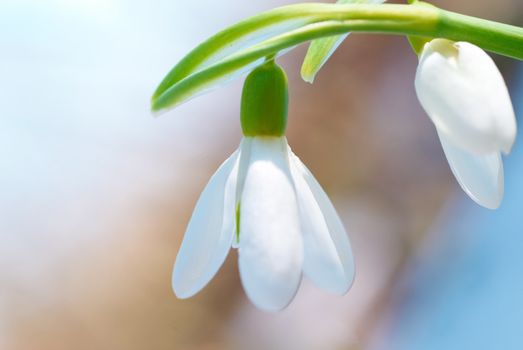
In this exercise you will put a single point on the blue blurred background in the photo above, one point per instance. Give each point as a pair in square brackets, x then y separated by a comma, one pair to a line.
[95, 193]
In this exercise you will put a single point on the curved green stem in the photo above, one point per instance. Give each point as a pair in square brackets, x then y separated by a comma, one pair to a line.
[504, 39]
[210, 62]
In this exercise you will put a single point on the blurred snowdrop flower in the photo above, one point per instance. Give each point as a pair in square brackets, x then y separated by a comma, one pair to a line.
[265, 202]
[465, 96]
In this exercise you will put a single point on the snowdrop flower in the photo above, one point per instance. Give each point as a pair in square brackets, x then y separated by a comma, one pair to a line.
[265, 202]
[465, 96]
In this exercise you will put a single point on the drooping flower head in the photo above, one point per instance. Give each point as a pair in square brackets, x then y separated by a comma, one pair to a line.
[265, 202]
[465, 96]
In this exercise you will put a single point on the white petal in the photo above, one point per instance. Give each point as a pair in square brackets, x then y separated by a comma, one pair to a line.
[328, 259]
[480, 176]
[463, 92]
[210, 232]
[271, 248]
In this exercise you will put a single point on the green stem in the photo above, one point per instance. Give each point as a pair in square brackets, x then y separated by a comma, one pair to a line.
[204, 64]
[504, 39]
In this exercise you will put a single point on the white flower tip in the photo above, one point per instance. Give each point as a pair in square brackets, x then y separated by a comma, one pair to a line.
[336, 276]
[269, 284]
[181, 288]
[508, 138]
[343, 283]
[492, 206]
[479, 175]
[345, 280]
[349, 281]
[340, 287]
[269, 300]
[506, 147]
[491, 203]
[488, 196]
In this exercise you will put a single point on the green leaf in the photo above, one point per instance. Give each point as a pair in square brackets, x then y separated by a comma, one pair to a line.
[228, 42]
[241, 47]
[214, 74]
[320, 50]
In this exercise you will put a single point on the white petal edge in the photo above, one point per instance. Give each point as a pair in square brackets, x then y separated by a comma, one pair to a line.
[328, 259]
[465, 95]
[480, 176]
[244, 158]
[209, 234]
[271, 248]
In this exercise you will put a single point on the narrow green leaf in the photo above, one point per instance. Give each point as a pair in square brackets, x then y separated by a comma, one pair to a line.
[320, 50]
[242, 35]
[241, 47]
[239, 63]
[317, 55]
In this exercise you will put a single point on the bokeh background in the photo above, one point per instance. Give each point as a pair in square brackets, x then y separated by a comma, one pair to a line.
[95, 193]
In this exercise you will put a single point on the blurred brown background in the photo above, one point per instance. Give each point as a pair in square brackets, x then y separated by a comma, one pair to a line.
[97, 193]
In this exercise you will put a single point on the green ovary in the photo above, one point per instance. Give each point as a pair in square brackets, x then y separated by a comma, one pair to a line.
[264, 101]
